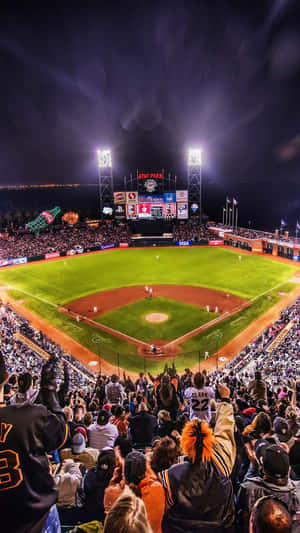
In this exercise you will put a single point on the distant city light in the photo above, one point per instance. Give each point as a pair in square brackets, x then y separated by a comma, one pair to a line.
[194, 157]
[104, 158]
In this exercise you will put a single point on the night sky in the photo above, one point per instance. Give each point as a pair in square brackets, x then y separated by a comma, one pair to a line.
[149, 79]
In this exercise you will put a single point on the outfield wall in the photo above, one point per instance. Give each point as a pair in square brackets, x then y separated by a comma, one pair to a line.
[271, 247]
[147, 242]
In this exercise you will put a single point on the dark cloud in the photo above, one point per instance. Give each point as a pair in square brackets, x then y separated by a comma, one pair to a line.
[148, 79]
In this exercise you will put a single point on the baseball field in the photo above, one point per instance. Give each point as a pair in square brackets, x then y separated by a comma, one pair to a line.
[201, 299]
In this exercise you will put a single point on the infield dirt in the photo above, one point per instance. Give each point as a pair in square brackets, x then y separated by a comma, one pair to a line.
[86, 356]
[108, 300]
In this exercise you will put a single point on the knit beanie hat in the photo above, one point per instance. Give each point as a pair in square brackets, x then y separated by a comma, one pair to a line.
[135, 467]
[106, 459]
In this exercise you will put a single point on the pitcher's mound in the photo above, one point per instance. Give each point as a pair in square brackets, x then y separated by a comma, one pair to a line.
[157, 317]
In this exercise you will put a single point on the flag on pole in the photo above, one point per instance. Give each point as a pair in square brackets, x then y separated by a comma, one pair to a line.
[297, 225]
[234, 201]
[283, 223]
[228, 201]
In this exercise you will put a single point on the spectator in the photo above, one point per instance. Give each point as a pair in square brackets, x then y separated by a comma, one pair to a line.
[26, 392]
[102, 434]
[141, 383]
[31, 431]
[165, 424]
[143, 426]
[124, 444]
[199, 493]
[95, 483]
[68, 412]
[67, 481]
[293, 418]
[114, 391]
[78, 415]
[282, 431]
[144, 484]
[88, 420]
[270, 516]
[165, 454]
[78, 451]
[166, 397]
[127, 515]
[119, 419]
[274, 481]
[257, 388]
[199, 398]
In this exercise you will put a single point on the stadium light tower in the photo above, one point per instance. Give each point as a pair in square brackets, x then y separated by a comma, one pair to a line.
[104, 158]
[194, 164]
[105, 179]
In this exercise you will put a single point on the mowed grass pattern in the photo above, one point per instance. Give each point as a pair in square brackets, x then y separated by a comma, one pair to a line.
[131, 319]
[216, 268]
[59, 282]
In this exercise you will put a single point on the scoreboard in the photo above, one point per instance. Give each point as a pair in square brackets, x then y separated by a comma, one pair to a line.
[152, 199]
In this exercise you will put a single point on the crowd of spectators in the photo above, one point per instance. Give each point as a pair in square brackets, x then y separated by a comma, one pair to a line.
[195, 452]
[248, 233]
[22, 358]
[22, 243]
[191, 230]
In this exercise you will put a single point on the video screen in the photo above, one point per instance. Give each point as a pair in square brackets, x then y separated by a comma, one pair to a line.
[157, 210]
[165, 205]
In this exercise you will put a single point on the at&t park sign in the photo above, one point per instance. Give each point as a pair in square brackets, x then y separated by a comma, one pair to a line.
[150, 175]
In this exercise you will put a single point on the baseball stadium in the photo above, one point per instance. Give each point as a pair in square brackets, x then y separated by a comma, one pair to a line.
[150, 267]
[151, 296]
[178, 295]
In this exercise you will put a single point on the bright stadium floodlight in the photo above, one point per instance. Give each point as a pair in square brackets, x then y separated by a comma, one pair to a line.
[194, 157]
[104, 158]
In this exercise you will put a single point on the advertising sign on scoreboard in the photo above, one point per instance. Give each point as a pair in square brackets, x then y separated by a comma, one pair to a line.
[169, 197]
[181, 196]
[170, 210]
[182, 210]
[120, 197]
[132, 197]
[131, 210]
[150, 198]
[144, 210]
[119, 211]
[156, 210]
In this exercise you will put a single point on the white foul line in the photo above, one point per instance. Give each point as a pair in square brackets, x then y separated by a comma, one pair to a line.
[272, 288]
[33, 296]
[41, 300]
[113, 331]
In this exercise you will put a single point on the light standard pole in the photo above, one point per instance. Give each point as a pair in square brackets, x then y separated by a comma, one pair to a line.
[105, 178]
[219, 335]
[194, 164]
[96, 340]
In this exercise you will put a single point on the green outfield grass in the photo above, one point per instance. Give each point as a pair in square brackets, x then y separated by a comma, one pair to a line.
[48, 285]
[130, 319]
